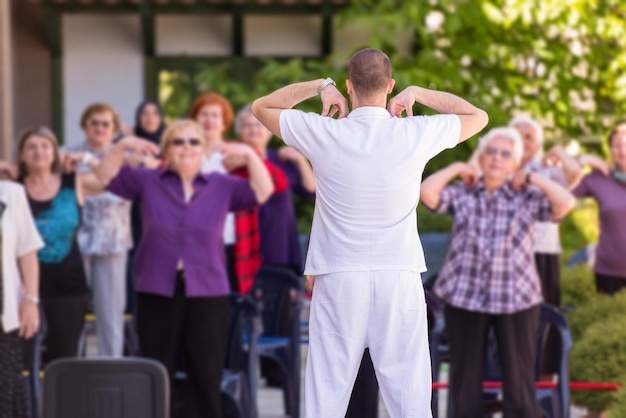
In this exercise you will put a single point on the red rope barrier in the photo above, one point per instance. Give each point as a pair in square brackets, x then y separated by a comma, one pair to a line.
[547, 385]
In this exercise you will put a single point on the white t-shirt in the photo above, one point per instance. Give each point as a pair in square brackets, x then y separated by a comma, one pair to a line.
[214, 164]
[368, 169]
[19, 237]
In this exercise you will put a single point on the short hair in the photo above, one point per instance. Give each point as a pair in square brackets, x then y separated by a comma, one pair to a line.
[213, 99]
[369, 71]
[177, 125]
[100, 108]
[43, 132]
[243, 113]
[619, 127]
[506, 132]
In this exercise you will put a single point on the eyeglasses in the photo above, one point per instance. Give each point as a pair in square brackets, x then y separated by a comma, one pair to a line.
[504, 153]
[179, 142]
[95, 123]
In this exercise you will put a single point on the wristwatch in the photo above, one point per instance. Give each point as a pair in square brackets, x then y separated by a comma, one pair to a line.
[326, 83]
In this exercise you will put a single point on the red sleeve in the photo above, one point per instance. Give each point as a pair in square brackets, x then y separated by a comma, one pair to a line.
[278, 177]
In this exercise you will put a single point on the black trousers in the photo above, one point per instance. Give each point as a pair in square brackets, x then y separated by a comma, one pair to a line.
[65, 317]
[364, 398]
[550, 275]
[13, 392]
[516, 338]
[609, 284]
[194, 326]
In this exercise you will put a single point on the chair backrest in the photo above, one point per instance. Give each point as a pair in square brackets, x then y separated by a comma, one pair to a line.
[128, 387]
[243, 328]
[273, 288]
[435, 246]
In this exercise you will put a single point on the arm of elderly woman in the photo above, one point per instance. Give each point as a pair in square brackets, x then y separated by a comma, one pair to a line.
[432, 187]
[29, 312]
[260, 180]
[113, 160]
[561, 200]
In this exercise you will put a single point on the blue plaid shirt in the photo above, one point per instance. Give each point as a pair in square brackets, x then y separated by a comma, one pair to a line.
[490, 264]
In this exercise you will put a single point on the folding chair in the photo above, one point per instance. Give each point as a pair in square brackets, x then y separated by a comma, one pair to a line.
[128, 387]
[274, 288]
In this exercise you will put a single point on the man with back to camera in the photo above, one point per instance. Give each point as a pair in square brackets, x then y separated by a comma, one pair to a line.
[364, 250]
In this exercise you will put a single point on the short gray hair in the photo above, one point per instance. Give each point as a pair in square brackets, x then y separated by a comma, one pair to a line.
[243, 113]
[506, 132]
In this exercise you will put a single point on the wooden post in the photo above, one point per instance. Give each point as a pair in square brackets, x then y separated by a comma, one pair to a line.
[6, 82]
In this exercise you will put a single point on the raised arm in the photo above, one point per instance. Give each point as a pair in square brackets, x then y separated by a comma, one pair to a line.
[113, 160]
[560, 198]
[267, 109]
[473, 119]
[433, 185]
[260, 179]
[572, 168]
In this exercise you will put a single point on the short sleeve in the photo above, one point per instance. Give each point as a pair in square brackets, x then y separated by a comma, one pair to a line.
[440, 132]
[538, 204]
[583, 188]
[28, 239]
[296, 125]
[130, 182]
[449, 196]
[242, 196]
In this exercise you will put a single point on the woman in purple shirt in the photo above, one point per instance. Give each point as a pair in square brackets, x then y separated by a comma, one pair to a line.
[607, 185]
[488, 277]
[181, 282]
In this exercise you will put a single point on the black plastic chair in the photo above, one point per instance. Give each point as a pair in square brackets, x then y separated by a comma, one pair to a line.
[273, 289]
[435, 246]
[239, 382]
[438, 352]
[129, 387]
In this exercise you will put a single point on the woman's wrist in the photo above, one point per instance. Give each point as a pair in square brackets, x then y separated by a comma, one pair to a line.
[31, 298]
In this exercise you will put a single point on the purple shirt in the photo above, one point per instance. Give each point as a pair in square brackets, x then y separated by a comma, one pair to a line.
[611, 197]
[174, 230]
[490, 264]
[280, 244]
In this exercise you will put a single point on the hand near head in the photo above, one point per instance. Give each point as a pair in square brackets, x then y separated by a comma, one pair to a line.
[289, 153]
[9, 170]
[235, 155]
[403, 101]
[468, 174]
[333, 102]
[596, 163]
[140, 146]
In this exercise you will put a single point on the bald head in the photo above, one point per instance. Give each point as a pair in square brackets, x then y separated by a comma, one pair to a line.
[369, 70]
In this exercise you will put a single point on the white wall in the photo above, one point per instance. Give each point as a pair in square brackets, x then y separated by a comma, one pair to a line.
[282, 35]
[193, 35]
[102, 62]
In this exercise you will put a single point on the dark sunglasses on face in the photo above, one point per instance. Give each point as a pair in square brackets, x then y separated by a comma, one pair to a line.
[505, 154]
[179, 142]
[95, 123]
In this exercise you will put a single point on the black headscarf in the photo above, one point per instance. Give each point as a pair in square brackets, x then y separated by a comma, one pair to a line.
[139, 131]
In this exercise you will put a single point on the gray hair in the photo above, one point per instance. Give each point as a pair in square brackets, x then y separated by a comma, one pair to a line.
[506, 132]
[243, 113]
[520, 120]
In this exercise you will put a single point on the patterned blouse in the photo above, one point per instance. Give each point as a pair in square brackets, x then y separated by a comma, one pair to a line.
[490, 265]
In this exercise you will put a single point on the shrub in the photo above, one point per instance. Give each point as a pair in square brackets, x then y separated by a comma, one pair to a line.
[618, 408]
[600, 308]
[577, 283]
[600, 356]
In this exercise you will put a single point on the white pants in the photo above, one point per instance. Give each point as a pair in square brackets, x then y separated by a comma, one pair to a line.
[382, 310]
[106, 274]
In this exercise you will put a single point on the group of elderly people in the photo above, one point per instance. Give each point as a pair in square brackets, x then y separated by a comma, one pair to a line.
[200, 233]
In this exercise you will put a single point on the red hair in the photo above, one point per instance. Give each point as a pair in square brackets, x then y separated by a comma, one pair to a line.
[213, 99]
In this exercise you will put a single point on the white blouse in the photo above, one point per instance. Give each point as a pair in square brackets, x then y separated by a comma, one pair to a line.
[19, 237]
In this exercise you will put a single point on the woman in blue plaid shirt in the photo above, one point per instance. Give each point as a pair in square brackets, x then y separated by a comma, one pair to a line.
[489, 276]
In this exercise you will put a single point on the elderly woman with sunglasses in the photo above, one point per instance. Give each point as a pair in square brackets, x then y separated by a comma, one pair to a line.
[488, 277]
[181, 282]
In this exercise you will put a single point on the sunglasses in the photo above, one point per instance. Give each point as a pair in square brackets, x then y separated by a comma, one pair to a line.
[505, 154]
[179, 142]
[95, 123]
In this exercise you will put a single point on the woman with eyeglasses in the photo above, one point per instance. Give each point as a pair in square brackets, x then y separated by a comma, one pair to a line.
[607, 185]
[55, 199]
[182, 284]
[104, 237]
[487, 279]
[19, 295]
[242, 242]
